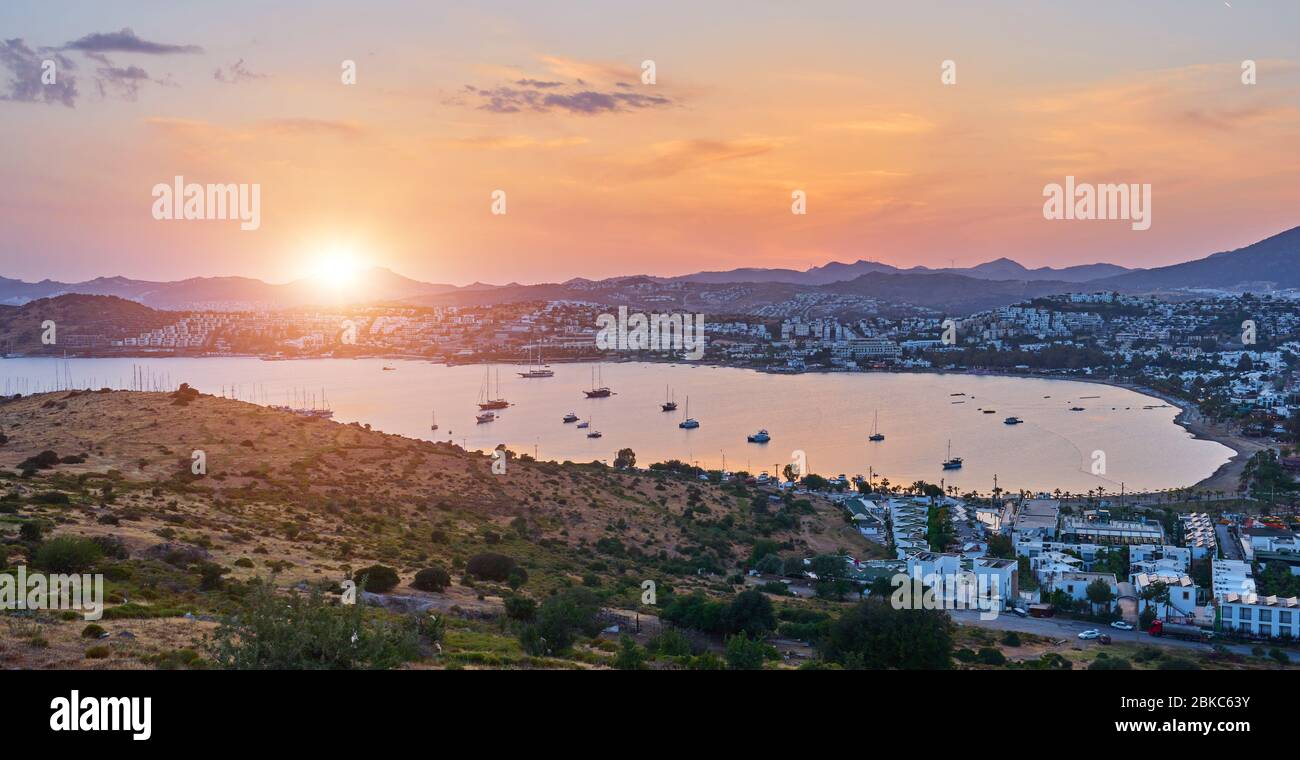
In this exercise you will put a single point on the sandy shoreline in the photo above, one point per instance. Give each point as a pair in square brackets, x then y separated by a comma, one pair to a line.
[1228, 476]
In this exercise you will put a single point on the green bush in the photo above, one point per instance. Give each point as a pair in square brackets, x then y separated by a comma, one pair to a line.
[378, 579]
[300, 632]
[559, 620]
[490, 566]
[67, 554]
[431, 579]
[97, 653]
[520, 608]
[92, 631]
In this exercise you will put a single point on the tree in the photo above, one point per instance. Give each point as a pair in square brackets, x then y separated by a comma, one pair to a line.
[626, 459]
[630, 656]
[490, 566]
[744, 653]
[431, 579]
[559, 620]
[307, 633]
[832, 573]
[1099, 593]
[377, 579]
[751, 613]
[874, 635]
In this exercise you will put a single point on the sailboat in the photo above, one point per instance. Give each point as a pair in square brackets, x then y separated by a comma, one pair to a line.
[689, 422]
[491, 403]
[433, 420]
[876, 435]
[538, 369]
[670, 403]
[601, 391]
[952, 462]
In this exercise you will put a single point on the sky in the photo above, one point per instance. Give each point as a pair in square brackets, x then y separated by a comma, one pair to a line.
[606, 174]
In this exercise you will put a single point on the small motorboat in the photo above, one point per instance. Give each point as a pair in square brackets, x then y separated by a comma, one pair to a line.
[570, 417]
[583, 425]
[594, 434]
[759, 437]
[1012, 421]
[485, 417]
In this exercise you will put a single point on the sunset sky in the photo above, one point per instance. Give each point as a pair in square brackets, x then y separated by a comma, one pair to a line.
[606, 175]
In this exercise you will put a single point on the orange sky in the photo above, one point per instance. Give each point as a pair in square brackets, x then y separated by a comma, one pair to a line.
[606, 175]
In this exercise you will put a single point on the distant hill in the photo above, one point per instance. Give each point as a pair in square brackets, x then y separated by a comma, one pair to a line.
[80, 322]
[998, 269]
[1272, 262]
[376, 284]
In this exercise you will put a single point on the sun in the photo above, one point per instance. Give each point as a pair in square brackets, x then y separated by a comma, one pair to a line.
[337, 269]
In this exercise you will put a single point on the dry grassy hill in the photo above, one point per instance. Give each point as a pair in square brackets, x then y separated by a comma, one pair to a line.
[311, 500]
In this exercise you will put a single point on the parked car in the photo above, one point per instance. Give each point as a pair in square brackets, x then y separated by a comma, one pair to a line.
[1019, 612]
[1120, 624]
[1104, 638]
[1091, 633]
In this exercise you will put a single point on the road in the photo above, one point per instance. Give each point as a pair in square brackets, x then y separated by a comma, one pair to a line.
[1065, 628]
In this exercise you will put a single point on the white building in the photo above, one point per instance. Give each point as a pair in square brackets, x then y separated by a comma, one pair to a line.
[1268, 616]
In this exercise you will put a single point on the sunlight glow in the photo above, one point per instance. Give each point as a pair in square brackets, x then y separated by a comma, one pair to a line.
[338, 268]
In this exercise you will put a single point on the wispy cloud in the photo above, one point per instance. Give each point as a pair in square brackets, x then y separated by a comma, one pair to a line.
[236, 73]
[581, 101]
[511, 142]
[25, 68]
[126, 41]
[677, 156]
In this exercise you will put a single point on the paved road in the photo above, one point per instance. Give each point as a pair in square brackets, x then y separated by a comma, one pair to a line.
[1065, 628]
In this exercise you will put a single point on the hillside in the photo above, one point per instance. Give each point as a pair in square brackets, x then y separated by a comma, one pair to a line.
[81, 322]
[312, 500]
[1270, 263]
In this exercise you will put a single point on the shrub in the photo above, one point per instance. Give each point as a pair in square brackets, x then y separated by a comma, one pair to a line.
[490, 566]
[559, 620]
[377, 579]
[991, 656]
[92, 631]
[670, 643]
[307, 633]
[42, 461]
[431, 579]
[67, 554]
[31, 531]
[520, 608]
[243, 562]
[1011, 639]
[97, 653]
[630, 656]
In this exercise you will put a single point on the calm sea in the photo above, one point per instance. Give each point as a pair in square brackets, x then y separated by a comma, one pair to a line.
[827, 417]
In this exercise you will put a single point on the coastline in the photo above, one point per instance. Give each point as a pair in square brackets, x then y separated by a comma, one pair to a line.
[1224, 479]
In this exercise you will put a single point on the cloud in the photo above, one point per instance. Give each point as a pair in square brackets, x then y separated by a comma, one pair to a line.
[677, 156]
[512, 142]
[304, 127]
[590, 70]
[236, 73]
[123, 81]
[25, 69]
[893, 124]
[125, 41]
[513, 100]
[538, 84]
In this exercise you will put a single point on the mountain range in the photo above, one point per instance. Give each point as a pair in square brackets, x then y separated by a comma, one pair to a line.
[1272, 263]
